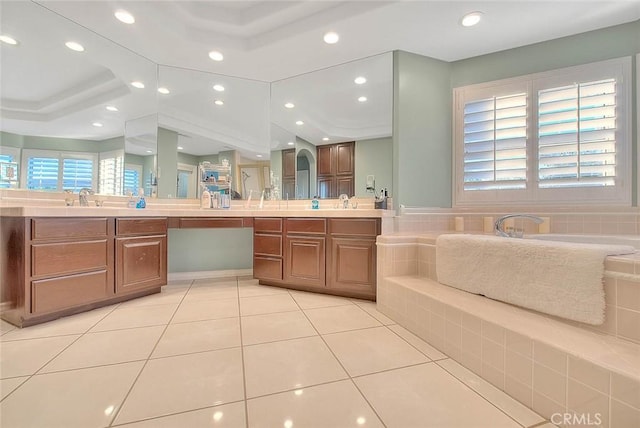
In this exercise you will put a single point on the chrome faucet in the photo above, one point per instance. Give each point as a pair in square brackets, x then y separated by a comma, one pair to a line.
[345, 201]
[83, 196]
[499, 221]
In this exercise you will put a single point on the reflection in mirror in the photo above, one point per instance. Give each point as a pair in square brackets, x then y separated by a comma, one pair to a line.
[206, 117]
[64, 106]
[141, 160]
[328, 107]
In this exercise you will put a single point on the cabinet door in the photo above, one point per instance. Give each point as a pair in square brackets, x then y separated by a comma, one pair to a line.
[326, 187]
[140, 263]
[288, 189]
[326, 163]
[344, 185]
[305, 260]
[352, 265]
[344, 158]
[289, 164]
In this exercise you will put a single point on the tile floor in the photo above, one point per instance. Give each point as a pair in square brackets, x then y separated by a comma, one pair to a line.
[231, 353]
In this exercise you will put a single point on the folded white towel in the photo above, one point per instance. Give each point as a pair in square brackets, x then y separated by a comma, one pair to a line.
[557, 278]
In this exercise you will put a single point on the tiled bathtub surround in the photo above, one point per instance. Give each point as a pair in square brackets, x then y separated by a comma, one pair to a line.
[602, 223]
[548, 364]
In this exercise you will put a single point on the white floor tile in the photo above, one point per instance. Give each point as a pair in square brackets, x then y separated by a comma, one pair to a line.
[371, 309]
[225, 416]
[206, 310]
[109, 347]
[185, 338]
[73, 324]
[340, 318]
[372, 350]
[501, 400]
[291, 364]
[212, 290]
[9, 385]
[315, 300]
[427, 396]
[267, 304]
[186, 382]
[5, 327]
[278, 326]
[251, 288]
[337, 404]
[168, 295]
[82, 398]
[420, 344]
[142, 316]
[26, 357]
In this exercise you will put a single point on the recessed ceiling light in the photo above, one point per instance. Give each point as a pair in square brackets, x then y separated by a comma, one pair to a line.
[216, 56]
[331, 37]
[258, 156]
[137, 84]
[362, 99]
[218, 88]
[291, 143]
[124, 16]
[8, 40]
[471, 19]
[75, 46]
[289, 105]
[299, 122]
[325, 139]
[149, 151]
[97, 124]
[218, 102]
[163, 90]
[112, 108]
[360, 80]
[180, 147]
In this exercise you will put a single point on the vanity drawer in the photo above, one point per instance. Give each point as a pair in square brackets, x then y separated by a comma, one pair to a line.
[313, 226]
[200, 222]
[267, 268]
[141, 226]
[270, 245]
[68, 257]
[68, 227]
[267, 225]
[354, 226]
[49, 295]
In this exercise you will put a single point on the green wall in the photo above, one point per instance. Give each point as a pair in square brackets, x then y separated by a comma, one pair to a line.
[302, 144]
[373, 157]
[167, 163]
[195, 250]
[421, 131]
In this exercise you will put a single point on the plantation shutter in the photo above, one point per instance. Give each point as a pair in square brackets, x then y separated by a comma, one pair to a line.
[42, 173]
[495, 143]
[111, 171]
[77, 174]
[577, 135]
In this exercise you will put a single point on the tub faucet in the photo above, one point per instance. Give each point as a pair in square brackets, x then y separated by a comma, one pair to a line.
[83, 196]
[499, 221]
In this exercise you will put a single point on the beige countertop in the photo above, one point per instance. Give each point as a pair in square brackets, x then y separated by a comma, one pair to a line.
[151, 211]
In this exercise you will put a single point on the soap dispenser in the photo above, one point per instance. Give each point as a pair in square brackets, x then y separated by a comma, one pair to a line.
[141, 201]
[205, 201]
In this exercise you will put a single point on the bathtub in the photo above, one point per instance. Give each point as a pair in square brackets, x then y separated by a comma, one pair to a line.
[630, 240]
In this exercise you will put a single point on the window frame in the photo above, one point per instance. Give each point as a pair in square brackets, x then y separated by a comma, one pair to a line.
[61, 156]
[619, 195]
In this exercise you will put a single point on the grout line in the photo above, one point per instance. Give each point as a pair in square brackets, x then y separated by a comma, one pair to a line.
[242, 363]
[61, 351]
[124, 400]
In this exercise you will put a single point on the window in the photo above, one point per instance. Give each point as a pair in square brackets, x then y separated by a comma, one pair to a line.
[132, 178]
[56, 171]
[555, 137]
[9, 161]
[110, 173]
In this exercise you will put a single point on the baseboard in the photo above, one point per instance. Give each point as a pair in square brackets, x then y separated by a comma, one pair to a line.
[181, 276]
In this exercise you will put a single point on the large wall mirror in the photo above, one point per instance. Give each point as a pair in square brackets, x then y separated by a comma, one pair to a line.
[310, 113]
[68, 96]
[210, 119]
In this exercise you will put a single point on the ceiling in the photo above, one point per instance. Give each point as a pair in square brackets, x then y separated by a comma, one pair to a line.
[47, 90]
[274, 40]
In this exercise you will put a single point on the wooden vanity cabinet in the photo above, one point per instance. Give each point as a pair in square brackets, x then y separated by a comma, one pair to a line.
[289, 174]
[335, 167]
[267, 248]
[57, 266]
[141, 254]
[327, 255]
